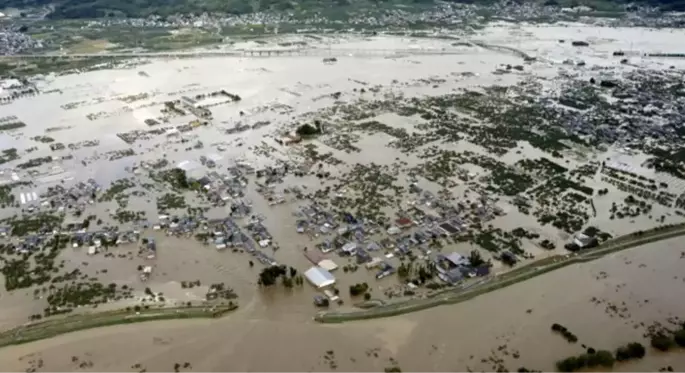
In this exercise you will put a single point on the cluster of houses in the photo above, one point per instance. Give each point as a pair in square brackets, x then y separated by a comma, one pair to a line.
[412, 234]
[230, 188]
[78, 237]
[73, 199]
[225, 233]
[175, 225]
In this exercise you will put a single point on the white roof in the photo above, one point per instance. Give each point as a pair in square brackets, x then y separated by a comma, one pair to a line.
[328, 265]
[319, 277]
[188, 165]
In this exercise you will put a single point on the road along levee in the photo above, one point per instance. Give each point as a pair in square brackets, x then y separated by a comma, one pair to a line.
[53, 327]
[523, 273]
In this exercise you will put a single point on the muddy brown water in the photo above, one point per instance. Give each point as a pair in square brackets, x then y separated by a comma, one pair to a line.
[274, 331]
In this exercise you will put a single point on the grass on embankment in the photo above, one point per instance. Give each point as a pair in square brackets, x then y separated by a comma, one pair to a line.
[54, 327]
[523, 273]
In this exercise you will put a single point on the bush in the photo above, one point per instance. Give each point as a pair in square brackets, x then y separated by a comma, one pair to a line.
[661, 342]
[358, 289]
[307, 130]
[630, 351]
[679, 337]
[637, 350]
[570, 364]
[601, 358]
[570, 337]
[269, 275]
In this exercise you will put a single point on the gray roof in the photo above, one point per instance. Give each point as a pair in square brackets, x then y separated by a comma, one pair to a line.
[456, 259]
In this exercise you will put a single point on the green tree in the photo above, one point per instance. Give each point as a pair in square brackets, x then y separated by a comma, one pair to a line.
[679, 337]
[269, 275]
[633, 350]
[307, 130]
[570, 364]
[475, 258]
[358, 289]
[661, 342]
[404, 270]
[601, 358]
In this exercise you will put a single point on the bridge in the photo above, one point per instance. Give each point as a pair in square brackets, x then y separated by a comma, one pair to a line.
[312, 52]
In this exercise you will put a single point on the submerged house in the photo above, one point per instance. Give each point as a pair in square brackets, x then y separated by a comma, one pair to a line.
[452, 267]
[350, 248]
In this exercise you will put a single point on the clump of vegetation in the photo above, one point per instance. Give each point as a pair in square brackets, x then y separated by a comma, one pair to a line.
[630, 351]
[220, 290]
[679, 337]
[35, 162]
[125, 216]
[171, 201]
[177, 178]
[115, 189]
[598, 359]
[307, 130]
[43, 139]
[34, 224]
[9, 155]
[269, 276]
[476, 259]
[570, 337]
[6, 196]
[70, 296]
[496, 240]
[359, 289]
[11, 125]
[661, 342]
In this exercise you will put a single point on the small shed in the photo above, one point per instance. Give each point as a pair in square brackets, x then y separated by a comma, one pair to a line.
[319, 277]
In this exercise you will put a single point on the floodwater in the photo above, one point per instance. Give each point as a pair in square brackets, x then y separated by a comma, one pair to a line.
[606, 303]
[631, 289]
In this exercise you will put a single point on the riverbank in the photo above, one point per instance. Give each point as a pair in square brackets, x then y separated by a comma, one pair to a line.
[54, 327]
[494, 283]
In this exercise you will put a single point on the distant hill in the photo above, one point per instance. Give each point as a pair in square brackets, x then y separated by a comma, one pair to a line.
[75, 9]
